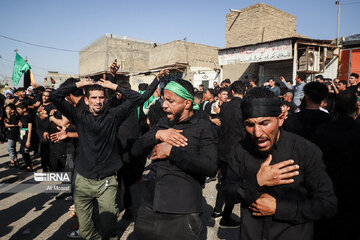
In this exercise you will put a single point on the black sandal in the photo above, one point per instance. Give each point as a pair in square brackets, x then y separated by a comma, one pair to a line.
[13, 163]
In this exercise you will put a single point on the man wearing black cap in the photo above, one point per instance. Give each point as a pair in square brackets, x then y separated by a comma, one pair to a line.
[278, 177]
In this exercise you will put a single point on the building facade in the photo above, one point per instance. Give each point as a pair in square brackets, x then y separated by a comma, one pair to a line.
[132, 55]
[349, 57]
[141, 60]
[54, 79]
[262, 43]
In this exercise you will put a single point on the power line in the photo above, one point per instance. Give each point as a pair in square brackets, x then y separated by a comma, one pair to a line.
[38, 45]
[349, 3]
[36, 67]
[68, 50]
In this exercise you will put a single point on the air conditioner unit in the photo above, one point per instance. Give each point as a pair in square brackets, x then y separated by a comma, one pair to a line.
[309, 59]
[313, 60]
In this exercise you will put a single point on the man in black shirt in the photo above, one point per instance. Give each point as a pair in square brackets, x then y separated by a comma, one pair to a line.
[26, 132]
[339, 141]
[172, 203]
[42, 126]
[278, 201]
[98, 157]
[308, 122]
[231, 131]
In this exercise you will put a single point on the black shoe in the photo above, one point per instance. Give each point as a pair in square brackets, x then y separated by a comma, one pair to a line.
[216, 215]
[229, 223]
[208, 179]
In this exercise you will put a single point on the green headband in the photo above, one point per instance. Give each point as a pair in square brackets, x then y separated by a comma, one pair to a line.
[181, 92]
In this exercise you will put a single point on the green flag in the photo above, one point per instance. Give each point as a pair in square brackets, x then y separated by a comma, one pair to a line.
[20, 67]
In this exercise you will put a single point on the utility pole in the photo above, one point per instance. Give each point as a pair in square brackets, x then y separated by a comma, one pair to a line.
[338, 24]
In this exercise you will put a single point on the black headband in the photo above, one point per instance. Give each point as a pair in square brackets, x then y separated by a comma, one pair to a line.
[260, 107]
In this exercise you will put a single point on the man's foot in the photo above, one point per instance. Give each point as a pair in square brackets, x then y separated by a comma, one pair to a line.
[74, 234]
[216, 215]
[69, 199]
[29, 169]
[229, 223]
[209, 179]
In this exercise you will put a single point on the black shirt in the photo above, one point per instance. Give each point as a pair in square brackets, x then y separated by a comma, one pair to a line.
[176, 182]
[341, 146]
[42, 125]
[12, 132]
[25, 120]
[307, 123]
[310, 197]
[231, 128]
[99, 155]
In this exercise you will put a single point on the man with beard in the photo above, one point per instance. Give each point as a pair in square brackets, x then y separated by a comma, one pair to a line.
[183, 152]
[279, 200]
[99, 157]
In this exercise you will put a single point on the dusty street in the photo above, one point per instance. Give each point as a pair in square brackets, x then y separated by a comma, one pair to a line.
[40, 216]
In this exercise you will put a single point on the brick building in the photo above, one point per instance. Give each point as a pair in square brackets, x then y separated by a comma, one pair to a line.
[261, 42]
[195, 62]
[132, 54]
[256, 24]
[141, 60]
[53, 79]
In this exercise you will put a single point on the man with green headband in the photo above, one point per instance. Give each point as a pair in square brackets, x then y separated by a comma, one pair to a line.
[184, 153]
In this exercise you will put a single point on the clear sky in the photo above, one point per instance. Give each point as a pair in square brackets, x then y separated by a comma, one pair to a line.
[74, 24]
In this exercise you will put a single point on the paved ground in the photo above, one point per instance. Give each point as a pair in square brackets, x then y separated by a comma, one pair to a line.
[40, 216]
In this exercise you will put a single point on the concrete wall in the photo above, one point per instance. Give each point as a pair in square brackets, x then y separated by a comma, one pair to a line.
[241, 71]
[258, 23]
[135, 80]
[92, 58]
[178, 51]
[58, 77]
[131, 54]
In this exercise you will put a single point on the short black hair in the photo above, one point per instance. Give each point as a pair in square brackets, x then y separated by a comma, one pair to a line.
[343, 82]
[238, 87]
[319, 76]
[227, 81]
[212, 91]
[11, 105]
[124, 84]
[198, 95]
[40, 88]
[94, 87]
[223, 89]
[286, 103]
[19, 89]
[346, 103]
[259, 92]
[143, 86]
[316, 91]
[354, 75]
[22, 105]
[302, 76]
[78, 92]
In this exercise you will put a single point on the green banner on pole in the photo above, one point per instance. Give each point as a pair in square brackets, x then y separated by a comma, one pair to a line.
[20, 67]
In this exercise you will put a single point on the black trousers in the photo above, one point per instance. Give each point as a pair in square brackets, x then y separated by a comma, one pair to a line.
[151, 225]
[25, 152]
[57, 156]
[44, 153]
[220, 201]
